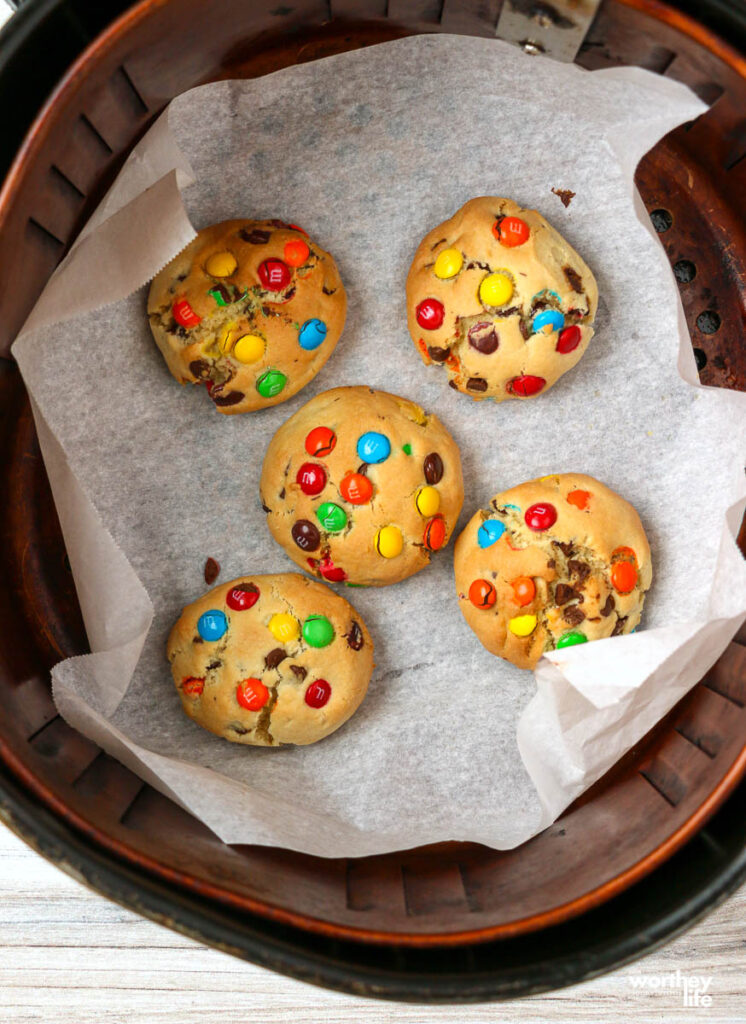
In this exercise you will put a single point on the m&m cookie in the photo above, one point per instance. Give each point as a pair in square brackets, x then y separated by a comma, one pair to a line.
[500, 299]
[552, 563]
[362, 487]
[268, 660]
[251, 309]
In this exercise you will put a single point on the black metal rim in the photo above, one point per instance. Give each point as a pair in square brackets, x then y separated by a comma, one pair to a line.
[694, 881]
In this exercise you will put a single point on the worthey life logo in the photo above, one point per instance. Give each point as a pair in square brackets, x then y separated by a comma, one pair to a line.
[693, 987]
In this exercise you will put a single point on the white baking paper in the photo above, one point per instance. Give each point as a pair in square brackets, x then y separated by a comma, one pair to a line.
[368, 150]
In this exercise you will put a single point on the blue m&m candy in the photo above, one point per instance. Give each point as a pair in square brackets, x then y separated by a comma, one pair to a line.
[373, 447]
[551, 318]
[212, 625]
[490, 532]
[311, 334]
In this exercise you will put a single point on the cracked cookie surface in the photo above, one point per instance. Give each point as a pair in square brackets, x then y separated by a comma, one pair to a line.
[500, 299]
[251, 309]
[270, 660]
[552, 563]
[361, 486]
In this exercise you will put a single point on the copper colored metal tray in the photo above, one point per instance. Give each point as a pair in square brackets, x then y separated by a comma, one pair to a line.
[451, 895]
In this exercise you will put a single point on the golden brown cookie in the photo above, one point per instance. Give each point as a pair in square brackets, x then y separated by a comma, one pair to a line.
[362, 486]
[552, 563]
[267, 660]
[251, 308]
[501, 300]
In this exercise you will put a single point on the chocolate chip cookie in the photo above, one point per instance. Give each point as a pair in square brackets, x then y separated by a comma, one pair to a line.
[552, 563]
[267, 660]
[362, 487]
[500, 299]
[252, 309]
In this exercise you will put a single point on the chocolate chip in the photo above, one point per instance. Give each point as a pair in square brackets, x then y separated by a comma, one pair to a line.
[524, 329]
[200, 369]
[580, 569]
[180, 331]
[508, 312]
[565, 547]
[198, 640]
[483, 337]
[254, 237]
[475, 263]
[573, 615]
[213, 665]
[328, 291]
[305, 535]
[282, 494]
[573, 279]
[563, 593]
[608, 608]
[476, 384]
[273, 659]
[619, 626]
[354, 637]
[235, 727]
[212, 571]
[232, 398]
[453, 384]
[266, 508]
[299, 671]
[433, 467]
[438, 355]
[551, 563]
[279, 223]
[363, 469]
[566, 195]
[246, 588]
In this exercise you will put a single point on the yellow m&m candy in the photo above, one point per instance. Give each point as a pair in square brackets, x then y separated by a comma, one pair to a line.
[496, 289]
[389, 541]
[249, 348]
[221, 264]
[522, 625]
[427, 501]
[448, 263]
[284, 627]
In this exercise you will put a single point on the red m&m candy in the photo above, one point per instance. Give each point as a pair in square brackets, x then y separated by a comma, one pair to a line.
[192, 686]
[569, 339]
[435, 533]
[540, 516]
[511, 231]
[430, 314]
[330, 571]
[274, 275]
[311, 478]
[252, 694]
[356, 488]
[318, 693]
[482, 594]
[320, 442]
[242, 597]
[526, 385]
[184, 315]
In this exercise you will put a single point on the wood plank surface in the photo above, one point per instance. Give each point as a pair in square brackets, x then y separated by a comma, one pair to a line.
[68, 956]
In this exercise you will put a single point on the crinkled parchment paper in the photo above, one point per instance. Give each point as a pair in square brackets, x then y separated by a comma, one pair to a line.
[368, 150]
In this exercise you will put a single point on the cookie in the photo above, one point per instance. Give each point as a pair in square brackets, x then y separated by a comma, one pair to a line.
[267, 660]
[251, 308]
[500, 299]
[362, 486]
[552, 563]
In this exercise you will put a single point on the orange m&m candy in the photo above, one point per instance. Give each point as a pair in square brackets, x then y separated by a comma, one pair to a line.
[524, 590]
[192, 686]
[296, 252]
[252, 694]
[482, 594]
[320, 441]
[623, 577]
[511, 231]
[356, 488]
[579, 499]
[435, 533]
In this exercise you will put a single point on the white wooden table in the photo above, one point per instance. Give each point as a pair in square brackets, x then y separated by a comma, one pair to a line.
[68, 956]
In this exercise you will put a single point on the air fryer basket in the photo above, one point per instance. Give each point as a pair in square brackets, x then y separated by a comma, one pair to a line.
[457, 921]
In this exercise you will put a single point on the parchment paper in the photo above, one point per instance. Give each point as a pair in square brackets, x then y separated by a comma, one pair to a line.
[368, 150]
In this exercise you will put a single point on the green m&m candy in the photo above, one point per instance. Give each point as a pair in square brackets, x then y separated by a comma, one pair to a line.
[331, 516]
[318, 631]
[571, 639]
[271, 383]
